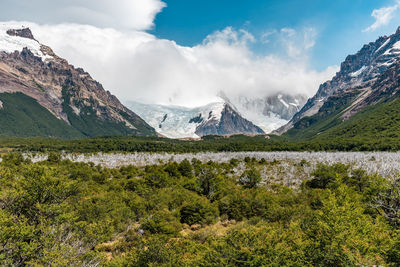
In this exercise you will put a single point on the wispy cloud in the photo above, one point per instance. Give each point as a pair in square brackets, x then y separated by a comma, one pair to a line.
[266, 36]
[298, 42]
[118, 14]
[383, 16]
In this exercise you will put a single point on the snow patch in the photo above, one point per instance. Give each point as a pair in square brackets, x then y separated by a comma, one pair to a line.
[1, 104]
[10, 44]
[396, 45]
[383, 45]
[267, 123]
[283, 101]
[358, 73]
[394, 50]
[387, 64]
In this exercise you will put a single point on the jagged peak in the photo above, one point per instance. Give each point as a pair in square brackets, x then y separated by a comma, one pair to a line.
[15, 38]
[24, 33]
[398, 31]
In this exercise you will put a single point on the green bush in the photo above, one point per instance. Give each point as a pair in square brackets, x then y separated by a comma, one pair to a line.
[199, 211]
[327, 176]
[162, 222]
[185, 168]
[250, 178]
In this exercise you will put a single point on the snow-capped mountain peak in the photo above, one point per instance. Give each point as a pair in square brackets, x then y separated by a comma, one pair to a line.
[180, 122]
[359, 70]
[16, 39]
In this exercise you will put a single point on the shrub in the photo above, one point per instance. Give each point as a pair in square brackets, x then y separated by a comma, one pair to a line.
[327, 176]
[54, 157]
[185, 168]
[162, 222]
[200, 211]
[250, 178]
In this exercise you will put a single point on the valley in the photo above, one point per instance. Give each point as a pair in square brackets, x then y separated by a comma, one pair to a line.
[195, 138]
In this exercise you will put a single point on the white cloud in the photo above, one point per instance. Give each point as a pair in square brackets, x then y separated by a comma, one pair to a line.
[135, 65]
[383, 16]
[119, 14]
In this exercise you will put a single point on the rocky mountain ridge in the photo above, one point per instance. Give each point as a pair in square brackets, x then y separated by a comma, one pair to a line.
[69, 93]
[363, 72]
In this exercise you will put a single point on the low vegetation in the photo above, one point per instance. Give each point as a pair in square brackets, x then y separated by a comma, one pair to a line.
[63, 213]
[238, 143]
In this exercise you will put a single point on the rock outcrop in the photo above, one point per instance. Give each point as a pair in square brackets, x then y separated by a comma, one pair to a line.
[230, 122]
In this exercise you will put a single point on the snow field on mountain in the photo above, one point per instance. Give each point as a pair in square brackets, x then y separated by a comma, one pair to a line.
[177, 122]
[10, 44]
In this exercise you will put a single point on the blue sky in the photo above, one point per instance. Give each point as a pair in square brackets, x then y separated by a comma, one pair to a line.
[339, 24]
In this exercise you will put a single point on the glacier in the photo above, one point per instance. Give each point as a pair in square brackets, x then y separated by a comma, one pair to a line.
[175, 121]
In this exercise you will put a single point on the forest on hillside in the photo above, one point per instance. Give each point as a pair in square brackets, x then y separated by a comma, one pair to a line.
[62, 213]
[236, 143]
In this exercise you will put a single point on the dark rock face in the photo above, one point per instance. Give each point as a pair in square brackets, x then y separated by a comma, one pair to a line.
[357, 71]
[198, 119]
[69, 93]
[25, 33]
[231, 122]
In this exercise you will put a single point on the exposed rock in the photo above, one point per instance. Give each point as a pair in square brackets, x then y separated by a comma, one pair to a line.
[230, 122]
[25, 33]
[63, 89]
[358, 71]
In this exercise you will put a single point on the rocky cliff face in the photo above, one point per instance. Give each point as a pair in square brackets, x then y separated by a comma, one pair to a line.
[230, 122]
[361, 72]
[69, 93]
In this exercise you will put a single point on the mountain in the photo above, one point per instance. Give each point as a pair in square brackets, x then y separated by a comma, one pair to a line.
[180, 122]
[366, 82]
[41, 94]
[269, 112]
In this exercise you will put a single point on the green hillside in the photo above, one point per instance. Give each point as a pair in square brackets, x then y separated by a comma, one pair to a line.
[23, 116]
[90, 125]
[328, 117]
[376, 127]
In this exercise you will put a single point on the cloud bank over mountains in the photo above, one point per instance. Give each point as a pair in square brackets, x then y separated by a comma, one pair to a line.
[119, 14]
[113, 46]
